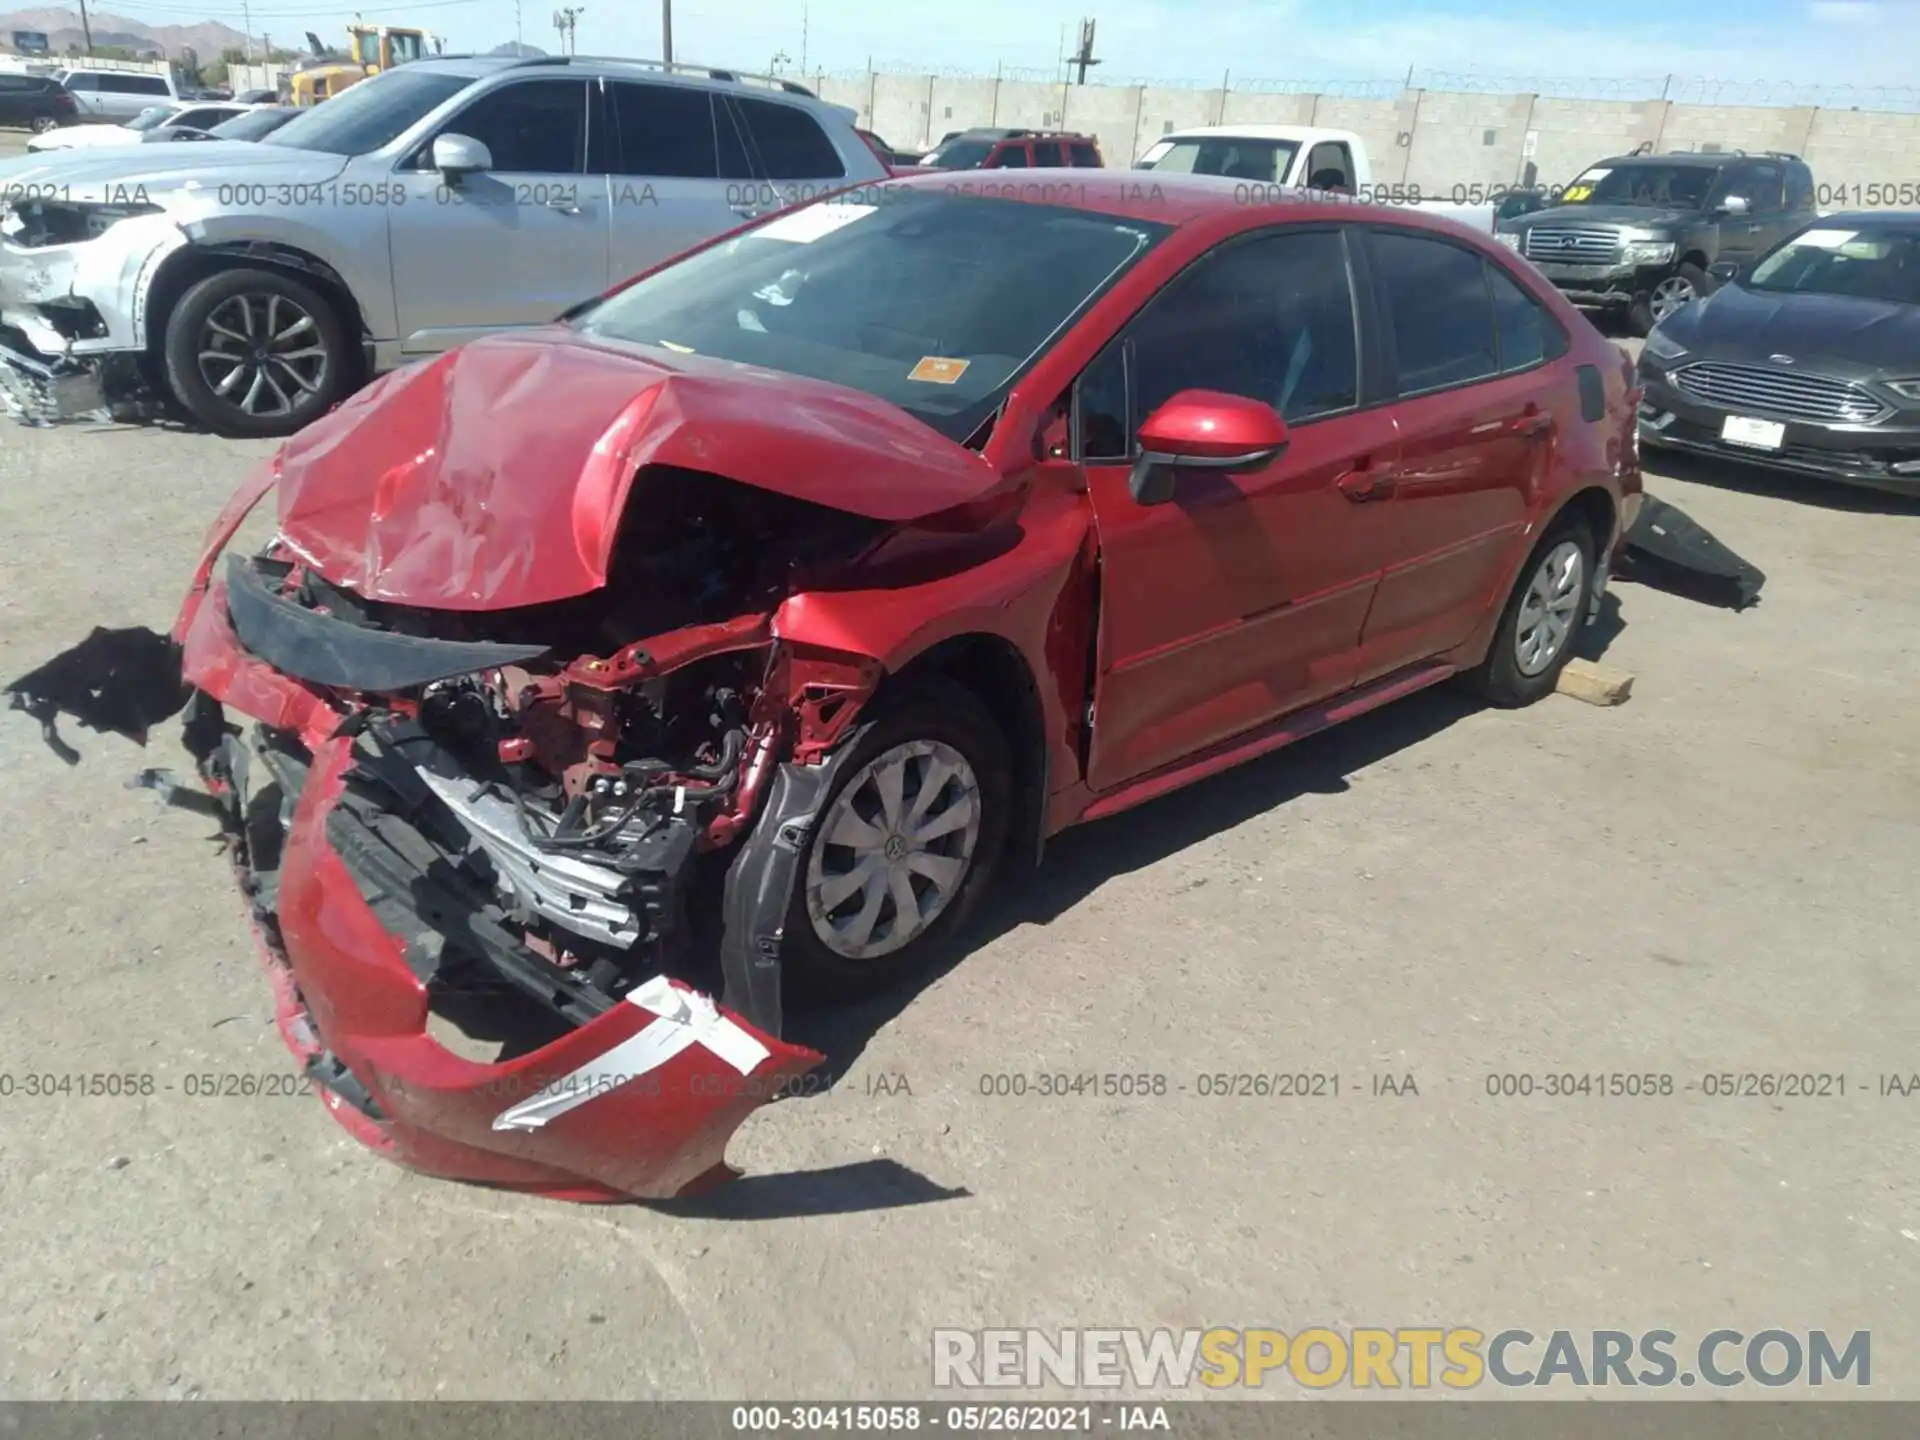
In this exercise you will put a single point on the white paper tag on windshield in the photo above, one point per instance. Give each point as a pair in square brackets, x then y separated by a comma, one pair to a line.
[803, 227]
[1825, 239]
[1593, 177]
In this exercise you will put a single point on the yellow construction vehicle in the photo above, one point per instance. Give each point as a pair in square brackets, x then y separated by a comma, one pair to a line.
[373, 48]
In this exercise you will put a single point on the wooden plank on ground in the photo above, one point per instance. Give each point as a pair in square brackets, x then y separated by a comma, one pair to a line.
[1595, 683]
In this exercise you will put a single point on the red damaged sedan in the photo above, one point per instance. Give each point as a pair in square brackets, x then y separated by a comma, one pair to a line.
[798, 590]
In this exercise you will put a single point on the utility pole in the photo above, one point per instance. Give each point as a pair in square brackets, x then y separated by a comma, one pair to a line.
[519, 35]
[666, 31]
[803, 42]
[246, 19]
[1083, 57]
[86, 30]
[564, 21]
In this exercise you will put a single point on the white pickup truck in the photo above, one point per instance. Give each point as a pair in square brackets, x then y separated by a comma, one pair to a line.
[1297, 156]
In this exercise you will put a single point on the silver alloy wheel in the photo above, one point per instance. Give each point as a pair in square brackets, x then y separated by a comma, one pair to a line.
[1671, 294]
[1551, 608]
[262, 353]
[43, 123]
[893, 850]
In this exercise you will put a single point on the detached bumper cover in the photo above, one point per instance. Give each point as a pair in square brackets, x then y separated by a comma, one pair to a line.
[638, 1101]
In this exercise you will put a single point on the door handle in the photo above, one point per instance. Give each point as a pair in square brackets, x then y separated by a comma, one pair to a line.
[747, 212]
[563, 206]
[1364, 483]
[1531, 421]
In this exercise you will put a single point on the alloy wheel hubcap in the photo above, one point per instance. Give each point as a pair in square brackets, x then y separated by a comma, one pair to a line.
[1670, 294]
[1551, 608]
[894, 849]
[262, 354]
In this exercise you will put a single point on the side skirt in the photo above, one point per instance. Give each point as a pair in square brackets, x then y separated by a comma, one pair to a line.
[1269, 737]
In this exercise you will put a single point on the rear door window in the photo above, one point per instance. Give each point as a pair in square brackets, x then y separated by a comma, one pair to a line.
[1330, 166]
[1439, 310]
[787, 141]
[666, 131]
[1085, 156]
[1799, 188]
[1047, 155]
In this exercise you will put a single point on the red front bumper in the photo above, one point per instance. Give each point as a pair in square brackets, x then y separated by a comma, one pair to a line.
[635, 1103]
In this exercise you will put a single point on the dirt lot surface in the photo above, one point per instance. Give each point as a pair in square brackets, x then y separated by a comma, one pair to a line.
[1716, 877]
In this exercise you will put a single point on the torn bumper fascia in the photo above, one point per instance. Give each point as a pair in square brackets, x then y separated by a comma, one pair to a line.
[47, 375]
[638, 1102]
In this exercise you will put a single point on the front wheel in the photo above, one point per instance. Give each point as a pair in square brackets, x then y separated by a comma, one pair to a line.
[255, 353]
[904, 847]
[1673, 293]
[1541, 622]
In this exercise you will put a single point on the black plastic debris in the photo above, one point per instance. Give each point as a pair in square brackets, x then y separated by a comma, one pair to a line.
[1670, 551]
[122, 682]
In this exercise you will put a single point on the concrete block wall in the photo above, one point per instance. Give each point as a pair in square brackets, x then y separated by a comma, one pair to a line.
[1442, 141]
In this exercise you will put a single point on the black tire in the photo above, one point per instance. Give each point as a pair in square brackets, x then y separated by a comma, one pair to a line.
[1640, 313]
[41, 124]
[1499, 678]
[946, 713]
[190, 386]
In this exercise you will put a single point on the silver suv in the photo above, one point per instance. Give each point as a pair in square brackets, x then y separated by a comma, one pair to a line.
[257, 284]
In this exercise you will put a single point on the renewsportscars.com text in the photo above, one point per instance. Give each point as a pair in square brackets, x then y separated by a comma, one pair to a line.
[1393, 1358]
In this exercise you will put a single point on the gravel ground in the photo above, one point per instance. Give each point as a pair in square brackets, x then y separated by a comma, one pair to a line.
[1706, 879]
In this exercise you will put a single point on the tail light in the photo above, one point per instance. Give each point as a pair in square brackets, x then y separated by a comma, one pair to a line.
[65, 101]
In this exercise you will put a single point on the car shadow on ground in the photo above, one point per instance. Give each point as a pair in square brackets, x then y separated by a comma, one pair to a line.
[1777, 485]
[1079, 861]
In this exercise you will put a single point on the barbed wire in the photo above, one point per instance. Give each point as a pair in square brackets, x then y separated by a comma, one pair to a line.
[1679, 89]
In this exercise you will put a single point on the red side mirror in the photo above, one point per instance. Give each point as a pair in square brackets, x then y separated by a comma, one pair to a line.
[1204, 430]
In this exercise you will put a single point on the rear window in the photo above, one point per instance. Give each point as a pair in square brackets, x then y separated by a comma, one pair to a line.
[1235, 158]
[1086, 156]
[788, 141]
[1439, 309]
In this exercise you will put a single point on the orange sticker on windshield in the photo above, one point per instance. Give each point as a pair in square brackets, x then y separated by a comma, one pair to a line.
[937, 370]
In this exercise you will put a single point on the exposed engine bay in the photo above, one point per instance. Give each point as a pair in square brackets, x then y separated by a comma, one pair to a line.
[556, 810]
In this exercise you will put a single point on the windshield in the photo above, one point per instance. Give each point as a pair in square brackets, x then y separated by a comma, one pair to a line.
[1264, 160]
[1870, 263]
[372, 113]
[960, 154]
[152, 117]
[933, 301]
[1665, 187]
[253, 124]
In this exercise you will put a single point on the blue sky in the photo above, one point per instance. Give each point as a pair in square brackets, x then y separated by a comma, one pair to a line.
[1808, 42]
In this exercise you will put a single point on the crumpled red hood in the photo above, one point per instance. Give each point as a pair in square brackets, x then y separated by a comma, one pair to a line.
[494, 476]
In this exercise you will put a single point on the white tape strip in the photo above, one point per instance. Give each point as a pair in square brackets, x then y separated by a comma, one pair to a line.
[686, 1018]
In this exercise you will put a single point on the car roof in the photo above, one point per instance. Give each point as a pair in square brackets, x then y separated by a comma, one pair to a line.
[1298, 133]
[1899, 219]
[1175, 200]
[1698, 159]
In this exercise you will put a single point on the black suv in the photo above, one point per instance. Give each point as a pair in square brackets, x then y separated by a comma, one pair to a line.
[1641, 232]
[37, 102]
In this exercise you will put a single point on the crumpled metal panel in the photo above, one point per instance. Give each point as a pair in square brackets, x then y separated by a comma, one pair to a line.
[495, 476]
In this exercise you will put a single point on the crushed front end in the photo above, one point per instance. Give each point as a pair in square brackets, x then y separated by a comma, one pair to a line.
[73, 275]
[479, 846]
